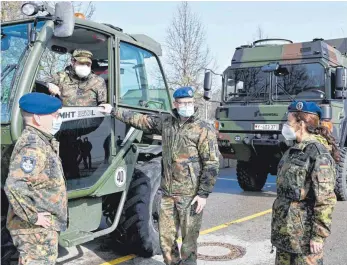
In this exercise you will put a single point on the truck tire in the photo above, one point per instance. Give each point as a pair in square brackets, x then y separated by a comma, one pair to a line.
[341, 178]
[251, 176]
[139, 221]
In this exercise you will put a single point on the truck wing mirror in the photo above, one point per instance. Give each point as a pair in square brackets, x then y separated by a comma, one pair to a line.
[65, 13]
[207, 81]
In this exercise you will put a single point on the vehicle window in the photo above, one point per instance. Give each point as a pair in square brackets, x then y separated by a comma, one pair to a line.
[14, 40]
[85, 146]
[56, 62]
[141, 79]
[246, 83]
[299, 78]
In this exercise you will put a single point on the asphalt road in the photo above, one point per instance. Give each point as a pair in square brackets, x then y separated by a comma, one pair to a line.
[231, 217]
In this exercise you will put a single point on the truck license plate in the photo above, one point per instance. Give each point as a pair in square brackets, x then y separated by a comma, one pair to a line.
[267, 127]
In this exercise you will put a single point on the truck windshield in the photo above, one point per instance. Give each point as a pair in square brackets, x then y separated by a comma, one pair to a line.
[14, 41]
[294, 79]
[251, 84]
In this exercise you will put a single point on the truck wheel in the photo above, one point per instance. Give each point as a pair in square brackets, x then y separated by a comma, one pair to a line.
[251, 176]
[140, 216]
[341, 178]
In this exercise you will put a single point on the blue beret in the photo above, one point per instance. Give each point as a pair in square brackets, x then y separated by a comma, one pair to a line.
[184, 92]
[303, 106]
[39, 103]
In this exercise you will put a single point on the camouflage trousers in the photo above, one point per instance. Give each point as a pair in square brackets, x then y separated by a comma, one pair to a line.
[175, 213]
[286, 258]
[37, 248]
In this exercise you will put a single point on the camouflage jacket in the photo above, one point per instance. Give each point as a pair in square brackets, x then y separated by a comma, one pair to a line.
[87, 92]
[35, 184]
[305, 199]
[190, 151]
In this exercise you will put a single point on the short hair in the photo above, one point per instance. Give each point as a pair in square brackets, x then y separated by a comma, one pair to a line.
[26, 116]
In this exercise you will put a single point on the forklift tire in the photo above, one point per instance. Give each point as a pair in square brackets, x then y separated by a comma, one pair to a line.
[341, 178]
[139, 221]
[251, 176]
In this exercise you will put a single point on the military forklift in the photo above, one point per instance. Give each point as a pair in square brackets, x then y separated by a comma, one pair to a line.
[257, 87]
[119, 194]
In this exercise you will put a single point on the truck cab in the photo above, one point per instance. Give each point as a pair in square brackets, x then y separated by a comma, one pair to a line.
[257, 88]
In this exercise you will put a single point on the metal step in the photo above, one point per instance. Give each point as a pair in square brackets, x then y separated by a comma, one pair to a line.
[75, 238]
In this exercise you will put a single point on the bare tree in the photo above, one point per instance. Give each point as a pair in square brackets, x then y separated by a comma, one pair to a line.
[260, 33]
[187, 54]
[11, 10]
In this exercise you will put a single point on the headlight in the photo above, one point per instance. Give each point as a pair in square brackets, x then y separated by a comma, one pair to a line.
[30, 9]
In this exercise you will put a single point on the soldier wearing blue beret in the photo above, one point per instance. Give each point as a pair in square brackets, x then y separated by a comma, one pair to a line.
[190, 166]
[302, 212]
[35, 186]
[306, 107]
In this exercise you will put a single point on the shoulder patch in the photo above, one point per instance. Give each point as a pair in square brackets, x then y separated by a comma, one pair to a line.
[27, 164]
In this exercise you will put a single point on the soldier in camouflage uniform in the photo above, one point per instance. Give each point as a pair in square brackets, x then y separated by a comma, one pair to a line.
[77, 85]
[190, 168]
[35, 186]
[302, 211]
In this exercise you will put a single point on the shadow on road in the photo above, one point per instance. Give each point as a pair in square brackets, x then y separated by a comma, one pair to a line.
[227, 183]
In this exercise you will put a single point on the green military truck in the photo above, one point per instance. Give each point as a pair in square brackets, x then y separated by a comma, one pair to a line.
[119, 194]
[261, 81]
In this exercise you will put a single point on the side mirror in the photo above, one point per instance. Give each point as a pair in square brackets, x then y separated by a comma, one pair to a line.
[281, 71]
[207, 81]
[207, 95]
[341, 78]
[65, 27]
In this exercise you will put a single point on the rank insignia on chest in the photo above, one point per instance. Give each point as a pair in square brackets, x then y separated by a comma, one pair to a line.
[27, 164]
[79, 92]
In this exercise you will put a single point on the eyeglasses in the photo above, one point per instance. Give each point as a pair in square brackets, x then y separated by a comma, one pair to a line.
[185, 103]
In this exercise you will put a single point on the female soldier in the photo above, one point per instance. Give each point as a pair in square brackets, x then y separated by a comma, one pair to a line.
[302, 211]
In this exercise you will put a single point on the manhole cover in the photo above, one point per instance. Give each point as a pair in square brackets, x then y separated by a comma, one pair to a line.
[233, 251]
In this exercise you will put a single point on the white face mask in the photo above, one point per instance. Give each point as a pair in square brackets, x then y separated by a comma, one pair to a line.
[288, 132]
[82, 70]
[186, 111]
[56, 124]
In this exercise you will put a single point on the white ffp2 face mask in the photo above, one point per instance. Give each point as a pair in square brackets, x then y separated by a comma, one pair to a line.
[288, 132]
[82, 70]
[186, 111]
[56, 124]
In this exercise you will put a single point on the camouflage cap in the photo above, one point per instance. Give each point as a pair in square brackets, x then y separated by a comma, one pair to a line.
[82, 56]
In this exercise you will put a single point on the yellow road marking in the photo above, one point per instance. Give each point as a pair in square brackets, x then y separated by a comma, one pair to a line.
[119, 260]
[204, 232]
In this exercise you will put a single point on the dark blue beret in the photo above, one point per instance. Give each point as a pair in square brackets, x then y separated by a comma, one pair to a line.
[39, 103]
[184, 92]
[303, 106]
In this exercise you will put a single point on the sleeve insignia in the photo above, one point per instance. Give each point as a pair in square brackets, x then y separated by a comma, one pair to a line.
[27, 164]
